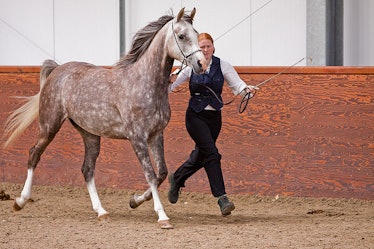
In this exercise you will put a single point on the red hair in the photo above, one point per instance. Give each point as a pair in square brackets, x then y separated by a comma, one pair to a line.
[205, 36]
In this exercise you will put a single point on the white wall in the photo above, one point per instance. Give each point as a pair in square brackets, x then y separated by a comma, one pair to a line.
[88, 30]
[82, 30]
[358, 32]
[275, 35]
[28, 37]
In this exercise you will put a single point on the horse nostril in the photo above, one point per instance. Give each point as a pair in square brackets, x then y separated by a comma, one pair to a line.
[202, 65]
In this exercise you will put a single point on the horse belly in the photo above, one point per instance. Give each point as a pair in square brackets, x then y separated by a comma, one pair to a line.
[100, 120]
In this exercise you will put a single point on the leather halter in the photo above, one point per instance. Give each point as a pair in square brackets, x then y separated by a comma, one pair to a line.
[184, 56]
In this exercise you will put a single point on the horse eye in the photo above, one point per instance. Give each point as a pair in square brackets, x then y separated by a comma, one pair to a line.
[181, 37]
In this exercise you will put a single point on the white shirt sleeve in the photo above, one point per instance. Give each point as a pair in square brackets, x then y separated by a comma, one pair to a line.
[232, 78]
[182, 77]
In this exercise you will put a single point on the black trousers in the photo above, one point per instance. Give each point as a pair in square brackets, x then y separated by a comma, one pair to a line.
[204, 128]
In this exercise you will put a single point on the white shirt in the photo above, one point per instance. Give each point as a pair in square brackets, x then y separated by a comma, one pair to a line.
[232, 78]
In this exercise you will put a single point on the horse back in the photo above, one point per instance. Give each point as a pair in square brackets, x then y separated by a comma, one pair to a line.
[102, 101]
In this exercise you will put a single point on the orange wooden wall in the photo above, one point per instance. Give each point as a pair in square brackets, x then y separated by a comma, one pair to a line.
[308, 132]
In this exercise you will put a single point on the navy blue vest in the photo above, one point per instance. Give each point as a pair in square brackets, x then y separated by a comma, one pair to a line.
[201, 96]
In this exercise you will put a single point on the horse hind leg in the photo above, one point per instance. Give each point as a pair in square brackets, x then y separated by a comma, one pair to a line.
[34, 157]
[92, 150]
[136, 200]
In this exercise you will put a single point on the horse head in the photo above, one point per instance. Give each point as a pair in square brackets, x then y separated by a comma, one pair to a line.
[183, 44]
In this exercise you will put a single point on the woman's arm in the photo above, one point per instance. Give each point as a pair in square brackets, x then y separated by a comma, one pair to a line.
[179, 79]
[236, 84]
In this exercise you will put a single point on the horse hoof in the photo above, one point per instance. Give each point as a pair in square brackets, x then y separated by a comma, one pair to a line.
[165, 224]
[104, 217]
[133, 203]
[16, 207]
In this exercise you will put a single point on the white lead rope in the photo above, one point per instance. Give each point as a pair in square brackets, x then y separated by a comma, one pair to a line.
[283, 71]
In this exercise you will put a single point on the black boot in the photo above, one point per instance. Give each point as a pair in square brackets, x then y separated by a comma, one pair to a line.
[173, 194]
[225, 205]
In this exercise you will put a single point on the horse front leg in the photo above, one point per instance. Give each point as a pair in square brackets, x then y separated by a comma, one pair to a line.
[91, 152]
[156, 145]
[141, 150]
[102, 214]
[92, 149]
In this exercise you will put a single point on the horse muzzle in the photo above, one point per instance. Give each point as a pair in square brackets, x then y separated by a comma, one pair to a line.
[203, 65]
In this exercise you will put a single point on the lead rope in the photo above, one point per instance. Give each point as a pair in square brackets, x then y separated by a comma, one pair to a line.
[249, 95]
[243, 103]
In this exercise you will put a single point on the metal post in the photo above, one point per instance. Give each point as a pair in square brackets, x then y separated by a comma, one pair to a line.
[122, 27]
[334, 32]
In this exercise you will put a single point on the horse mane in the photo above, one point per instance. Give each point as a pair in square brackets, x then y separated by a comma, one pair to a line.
[143, 38]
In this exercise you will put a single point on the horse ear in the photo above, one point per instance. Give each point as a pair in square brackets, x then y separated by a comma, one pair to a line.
[193, 12]
[180, 15]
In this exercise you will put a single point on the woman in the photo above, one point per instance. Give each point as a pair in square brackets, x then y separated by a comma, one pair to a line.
[204, 122]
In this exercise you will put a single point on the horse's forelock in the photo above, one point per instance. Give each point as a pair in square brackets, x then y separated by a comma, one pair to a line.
[188, 19]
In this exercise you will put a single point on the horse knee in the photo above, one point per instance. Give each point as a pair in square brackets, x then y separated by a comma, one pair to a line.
[162, 174]
[160, 180]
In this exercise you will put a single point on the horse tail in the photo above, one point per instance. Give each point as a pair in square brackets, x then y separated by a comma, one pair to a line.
[22, 117]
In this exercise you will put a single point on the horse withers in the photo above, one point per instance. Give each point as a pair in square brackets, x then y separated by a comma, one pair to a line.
[128, 101]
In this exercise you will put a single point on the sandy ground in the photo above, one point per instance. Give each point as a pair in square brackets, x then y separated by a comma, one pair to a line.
[62, 217]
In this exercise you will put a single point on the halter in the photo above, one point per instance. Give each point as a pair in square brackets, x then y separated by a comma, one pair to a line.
[184, 56]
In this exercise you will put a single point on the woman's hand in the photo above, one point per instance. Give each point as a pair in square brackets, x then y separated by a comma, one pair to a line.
[249, 91]
[250, 88]
[172, 78]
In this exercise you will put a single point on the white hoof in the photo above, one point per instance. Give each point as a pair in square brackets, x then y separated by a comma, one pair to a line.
[165, 224]
[104, 217]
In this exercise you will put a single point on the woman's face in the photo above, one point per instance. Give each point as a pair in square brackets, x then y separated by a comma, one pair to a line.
[207, 47]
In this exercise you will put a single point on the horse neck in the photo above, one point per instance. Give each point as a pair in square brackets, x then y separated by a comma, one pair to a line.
[156, 62]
